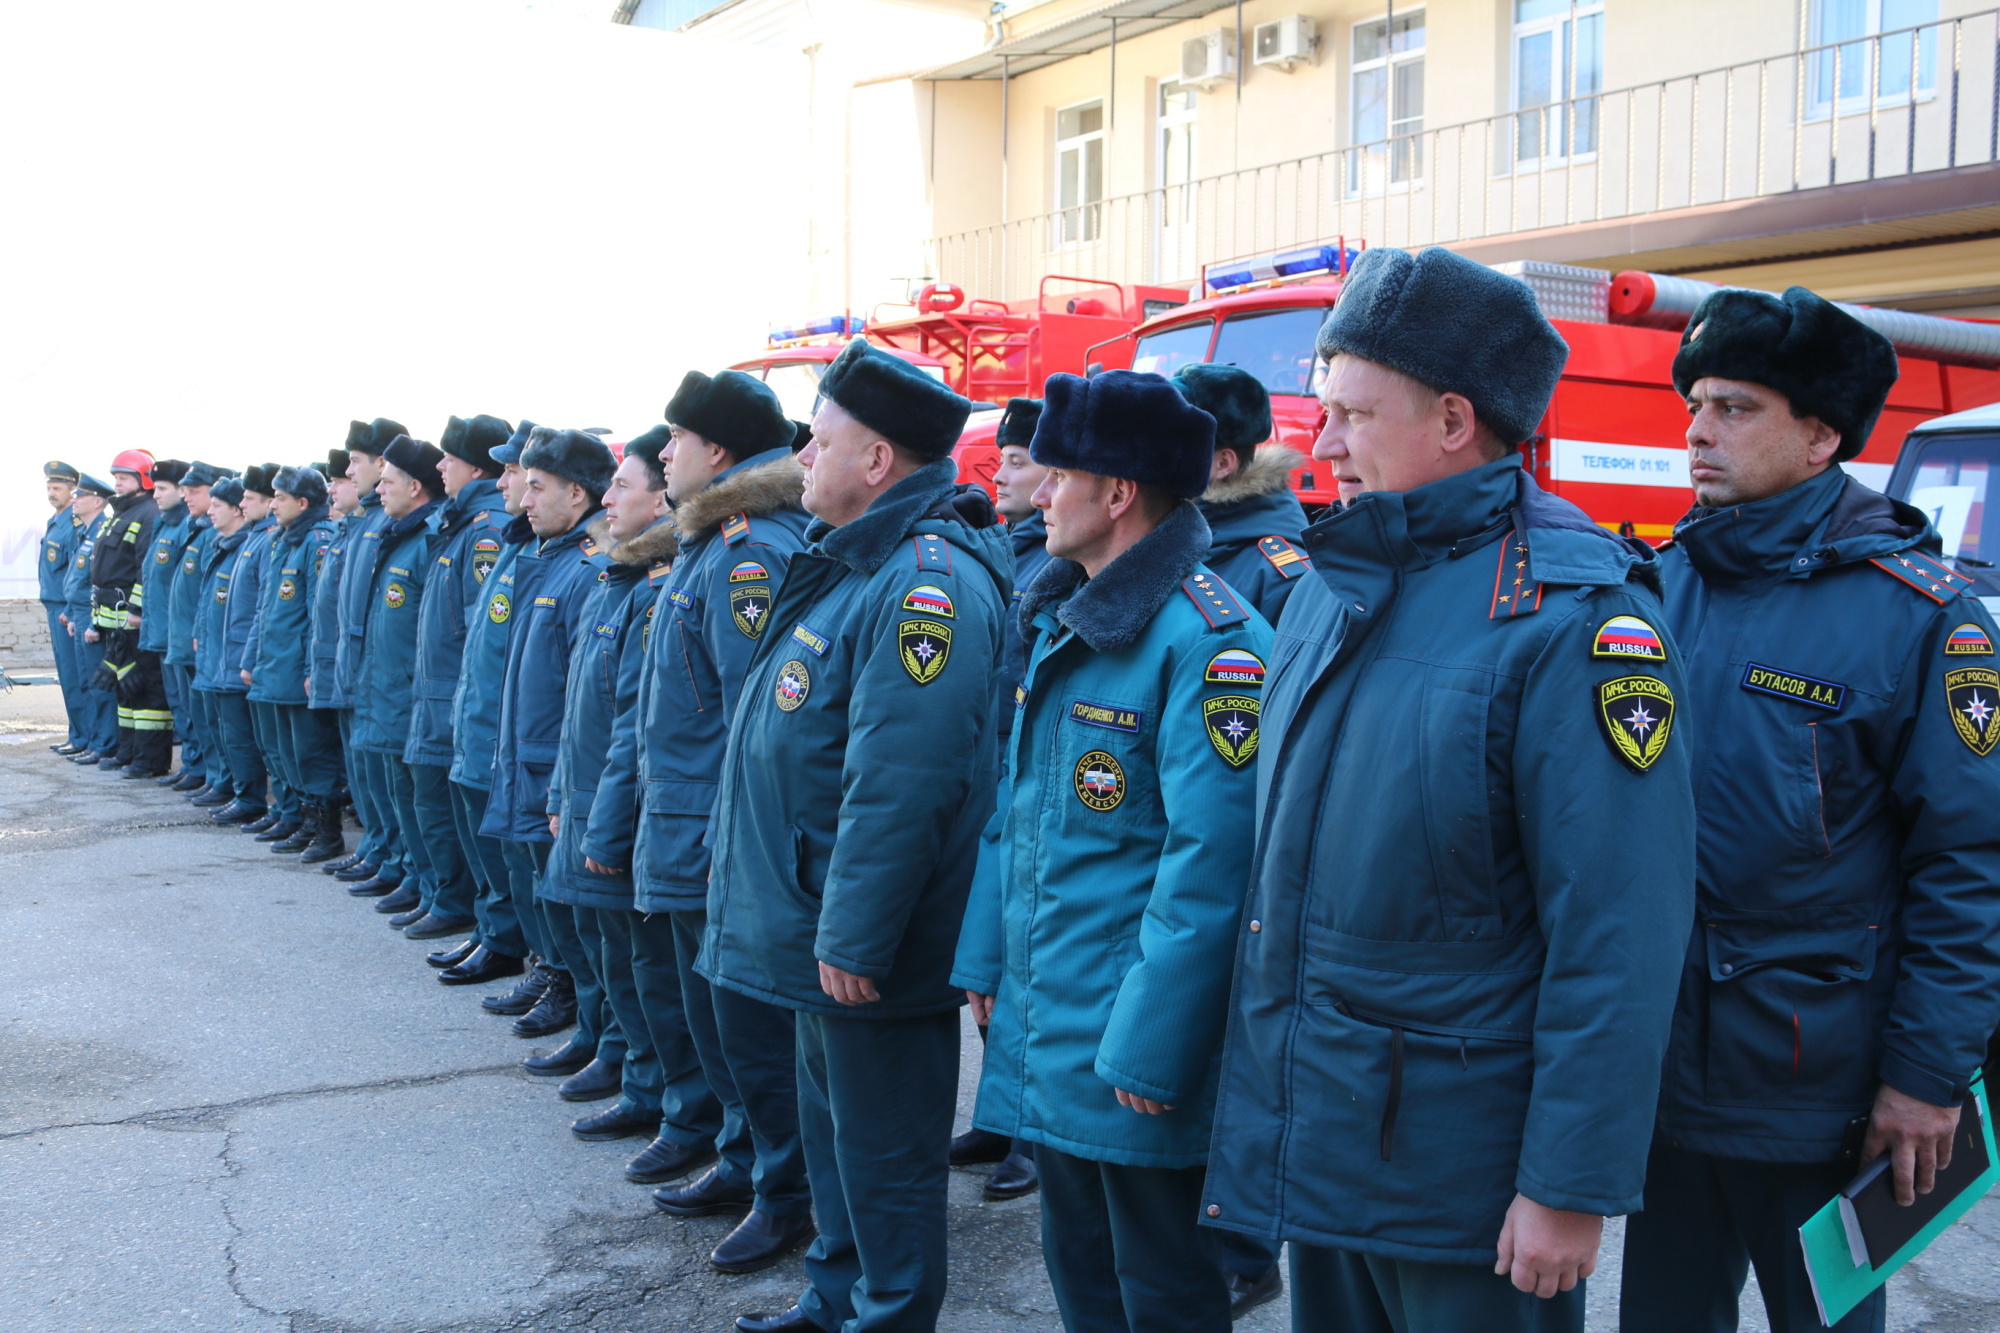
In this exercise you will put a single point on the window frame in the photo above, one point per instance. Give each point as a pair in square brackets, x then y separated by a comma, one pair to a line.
[1820, 64]
[1387, 62]
[1566, 124]
[1082, 222]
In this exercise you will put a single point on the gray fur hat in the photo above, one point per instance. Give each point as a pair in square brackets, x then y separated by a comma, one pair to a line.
[1454, 325]
[573, 455]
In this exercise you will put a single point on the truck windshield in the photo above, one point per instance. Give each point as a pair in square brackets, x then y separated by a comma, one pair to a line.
[1276, 346]
[1955, 474]
[1168, 350]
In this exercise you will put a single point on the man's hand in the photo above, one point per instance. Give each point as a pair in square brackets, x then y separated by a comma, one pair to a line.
[599, 868]
[846, 987]
[1917, 1137]
[555, 826]
[245, 675]
[1547, 1250]
[64, 617]
[132, 620]
[1143, 1105]
[309, 686]
[90, 635]
[982, 1007]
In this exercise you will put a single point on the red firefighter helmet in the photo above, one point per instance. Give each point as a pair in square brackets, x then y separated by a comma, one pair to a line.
[138, 462]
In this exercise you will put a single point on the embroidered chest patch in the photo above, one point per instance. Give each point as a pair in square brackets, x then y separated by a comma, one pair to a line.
[187, 565]
[605, 629]
[1637, 714]
[499, 608]
[287, 589]
[749, 607]
[1234, 667]
[1825, 694]
[1100, 782]
[485, 554]
[163, 555]
[1629, 637]
[1231, 723]
[794, 684]
[927, 600]
[394, 594]
[1096, 715]
[810, 639]
[1974, 696]
[1968, 640]
[925, 647]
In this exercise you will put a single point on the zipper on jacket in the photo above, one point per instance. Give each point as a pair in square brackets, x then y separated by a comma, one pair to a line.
[1819, 792]
[1395, 1098]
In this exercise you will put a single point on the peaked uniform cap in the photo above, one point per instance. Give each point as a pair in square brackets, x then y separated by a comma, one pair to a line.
[1017, 423]
[895, 400]
[56, 470]
[474, 439]
[732, 409]
[510, 452]
[1455, 326]
[1238, 401]
[1825, 361]
[90, 485]
[1126, 423]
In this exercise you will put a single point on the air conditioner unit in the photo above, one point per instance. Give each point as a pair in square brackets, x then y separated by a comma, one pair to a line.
[1284, 41]
[1209, 58]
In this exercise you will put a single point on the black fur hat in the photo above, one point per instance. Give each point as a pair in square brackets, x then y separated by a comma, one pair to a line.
[1017, 423]
[1454, 325]
[1827, 362]
[169, 470]
[732, 409]
[1126, 423]
[229, 491]
[202, 474]
[895, 400]
[802, 435]
[474, 440]
[646, 447]
[261, 478]
[1238, 401]
[358, 436]
[573, 455]
[418, 458]
[380, 431]
[337, 462]
[304, 483]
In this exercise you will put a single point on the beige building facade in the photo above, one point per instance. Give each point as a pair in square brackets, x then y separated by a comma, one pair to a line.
[1850, 145]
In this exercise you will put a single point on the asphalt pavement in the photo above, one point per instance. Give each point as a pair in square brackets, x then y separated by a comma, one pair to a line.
[232, 1098]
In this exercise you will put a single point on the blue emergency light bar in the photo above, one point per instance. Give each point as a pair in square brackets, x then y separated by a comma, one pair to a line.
[846, 326]
[1291, 264]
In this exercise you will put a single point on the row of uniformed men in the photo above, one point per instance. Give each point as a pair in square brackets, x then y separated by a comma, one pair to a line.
[1426, 985]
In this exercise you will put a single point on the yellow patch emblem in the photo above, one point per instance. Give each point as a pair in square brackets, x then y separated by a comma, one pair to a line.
[925, 647]
[499, 608]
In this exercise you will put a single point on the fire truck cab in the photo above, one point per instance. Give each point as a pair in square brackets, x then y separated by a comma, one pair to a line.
[793, 371]
[1949, 467]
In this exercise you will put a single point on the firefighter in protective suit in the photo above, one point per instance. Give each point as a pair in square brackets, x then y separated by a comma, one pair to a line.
[117, 596]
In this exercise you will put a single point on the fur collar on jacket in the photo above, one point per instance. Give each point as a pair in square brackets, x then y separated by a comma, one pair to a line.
[655, 544]
[1268, 472]
[1110, 611]
[756, 490]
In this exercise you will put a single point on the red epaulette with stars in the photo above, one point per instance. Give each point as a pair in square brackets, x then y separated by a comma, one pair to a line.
[1514, 593]
[1929, 576]
[1212, 597]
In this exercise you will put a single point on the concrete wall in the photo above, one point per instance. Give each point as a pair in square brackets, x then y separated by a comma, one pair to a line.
[24, 636]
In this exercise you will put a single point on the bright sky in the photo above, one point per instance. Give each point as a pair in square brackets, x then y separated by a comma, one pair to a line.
[231, 227]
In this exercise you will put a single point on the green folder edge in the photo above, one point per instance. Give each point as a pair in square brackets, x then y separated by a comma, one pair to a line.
[1838, 1286]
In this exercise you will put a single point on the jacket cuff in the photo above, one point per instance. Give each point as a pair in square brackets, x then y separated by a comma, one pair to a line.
[1926, 1085]
[1140, 1087]
[855, 965]
[976, 984]
[1549, 1196]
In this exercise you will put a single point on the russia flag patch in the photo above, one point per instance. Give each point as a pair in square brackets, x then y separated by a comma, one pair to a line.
[1629, 638]
[1968, 640]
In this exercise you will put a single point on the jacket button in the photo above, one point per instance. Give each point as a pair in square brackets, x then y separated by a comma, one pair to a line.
[1214, 1210]
[1358, 606]
[1726, 968]
[1256, 926]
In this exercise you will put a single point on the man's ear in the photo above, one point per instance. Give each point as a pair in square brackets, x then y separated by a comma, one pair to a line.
[1825, 442]
[1461, 423]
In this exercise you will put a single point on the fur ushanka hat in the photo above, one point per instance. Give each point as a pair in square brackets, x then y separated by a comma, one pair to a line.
[895, 400]
[1126, 423]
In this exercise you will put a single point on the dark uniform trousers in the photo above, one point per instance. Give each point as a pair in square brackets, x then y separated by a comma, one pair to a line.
[498, 928]
[876, 1101]
[207, 705]
[1366, 1293]
[561, 947]
[581, 943]
[274, 742]
[239, 747]
[64, 649]
[749, 1053]
[433, 840]
[1707, 1221]
[381, 781]
[1123, 1250]
[188, 718]
[310, 741]
[100, 709]
[662, 1072]
[369, 848]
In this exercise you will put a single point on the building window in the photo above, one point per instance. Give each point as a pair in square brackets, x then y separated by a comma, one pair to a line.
[1558, 72]
[1079, 172]
[1174, 116]
[1388, 78]
[1866, 44]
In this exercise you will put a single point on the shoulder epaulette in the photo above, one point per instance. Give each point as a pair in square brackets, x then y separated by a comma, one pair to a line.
[1286, 558]
[1213, 598]
[933, 552]
[735, 528]
[656, 573]
[1514, 593]
[1929, 576]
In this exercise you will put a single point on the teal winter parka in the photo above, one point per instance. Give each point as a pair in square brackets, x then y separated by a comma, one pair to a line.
[1843, 727]
[386, 675]
[551, 590]
[362, 546]
[325, 635]
[737, 536]
[482, 664]
[1257, 523]
[600, 705]
[170, 537]
[1474, 868]
[280, 642]
[465, 546]
[184, 598]
[862, 757]
[59, 543]
[239, 609]
[216, 660]
[1108, 930]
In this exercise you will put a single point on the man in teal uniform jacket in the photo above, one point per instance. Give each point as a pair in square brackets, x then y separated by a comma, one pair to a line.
[1843, 975]
[1101, 946]
[200, 768]
[1475, 852]
[860, 770]
[1253, 516]
[59, 543]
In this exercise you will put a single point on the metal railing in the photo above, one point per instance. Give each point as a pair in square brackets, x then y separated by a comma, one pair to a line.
[1894, 104]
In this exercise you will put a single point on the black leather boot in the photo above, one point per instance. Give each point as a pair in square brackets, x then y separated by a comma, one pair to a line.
[327, 842]
[302, 836]
[264, 821]
[524, 996]
[552, 1013]
[402, 900]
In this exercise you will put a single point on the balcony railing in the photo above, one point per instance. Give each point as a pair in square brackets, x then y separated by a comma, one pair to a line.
[1892, 105]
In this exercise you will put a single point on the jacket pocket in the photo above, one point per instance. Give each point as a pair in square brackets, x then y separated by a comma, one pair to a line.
[1811, 767]
[1791, 1018]
[676, 818]
[1454, 786]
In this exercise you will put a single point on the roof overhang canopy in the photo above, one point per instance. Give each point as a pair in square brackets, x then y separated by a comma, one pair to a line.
[1080, 34]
